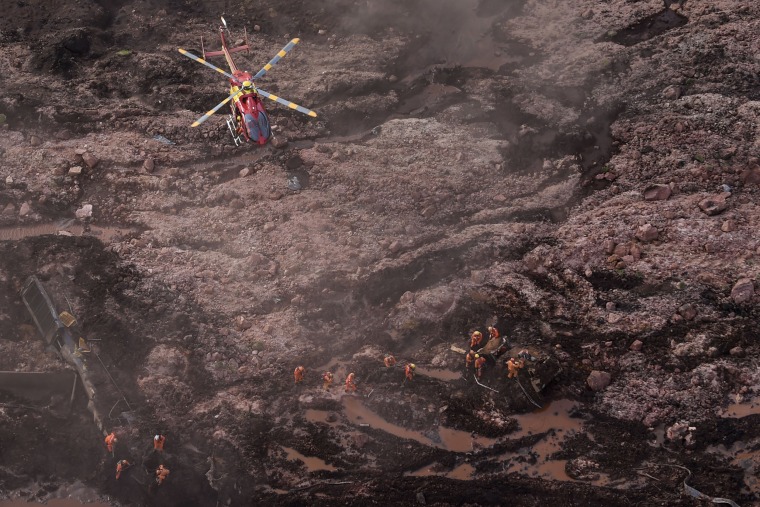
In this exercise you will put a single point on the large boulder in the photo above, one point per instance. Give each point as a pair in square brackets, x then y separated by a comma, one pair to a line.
[598, 380]
[743, 290]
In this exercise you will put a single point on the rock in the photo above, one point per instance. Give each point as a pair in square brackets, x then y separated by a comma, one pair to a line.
[737, 352]
[360, 440]
[687, 311]
[279, 143]
[750, 176]
[728, 226]
[610, 306]
[609, 246]
[9, 180]
[24, 210]
[587, 14]
[269, 227]
[244, 172]
[275, 195]
[9, 209]
[84, 212]
[636, 346]
[256, 28]
[647, 233]
[35, 141]
[421, 498]
[743, 290]
[322, 32]
[614, 318]
[598, 380]
[621, 250]
[671, 92]
[75, 170]
[395, 247]
[407, 297]
[90, 159]
[392, 78]
[715, 204]
[657, 192]
[148, 165]
[635, 252]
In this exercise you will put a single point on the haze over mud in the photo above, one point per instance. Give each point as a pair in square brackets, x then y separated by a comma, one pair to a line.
[581, 175]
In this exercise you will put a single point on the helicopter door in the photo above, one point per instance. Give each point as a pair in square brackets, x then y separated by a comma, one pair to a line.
[264, 127]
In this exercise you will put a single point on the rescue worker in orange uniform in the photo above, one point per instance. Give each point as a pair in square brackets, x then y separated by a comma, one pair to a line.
[409, 371]
[110, 441]
[480, 362]
[121, 466]
[298, 374]
[158, 443]
[493, 333]
[389, 361]
[475, 340]
[161, 473]
[514, 367]
[350, 383]
[469, 358]
[328, 378]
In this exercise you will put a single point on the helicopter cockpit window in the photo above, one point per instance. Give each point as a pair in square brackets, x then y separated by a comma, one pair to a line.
[252, 126]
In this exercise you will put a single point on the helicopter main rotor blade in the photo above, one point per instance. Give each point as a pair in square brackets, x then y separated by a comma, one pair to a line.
[218, 106]
[210, 66]
[288, 103]
[284, 51]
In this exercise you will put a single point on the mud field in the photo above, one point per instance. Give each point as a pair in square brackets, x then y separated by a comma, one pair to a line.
[582, 175]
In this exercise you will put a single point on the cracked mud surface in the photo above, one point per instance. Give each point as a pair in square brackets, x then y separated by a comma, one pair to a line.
[582, 175]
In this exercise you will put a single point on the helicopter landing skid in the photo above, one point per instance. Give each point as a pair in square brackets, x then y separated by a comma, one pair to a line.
[233, 126]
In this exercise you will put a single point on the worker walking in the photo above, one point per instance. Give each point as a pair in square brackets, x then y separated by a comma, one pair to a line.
[514, 367]
[158, 443]
[161, 473]
[493, 333]
[475, 340]
[389, 361]
[298, 374]
[351, 383]
[480, 362]
[110, 441]
[327, 378]
[121, 466]
[409, 371]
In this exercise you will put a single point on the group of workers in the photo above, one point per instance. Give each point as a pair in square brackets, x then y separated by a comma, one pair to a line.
[328, 377]
[158, 446]
[513, 364]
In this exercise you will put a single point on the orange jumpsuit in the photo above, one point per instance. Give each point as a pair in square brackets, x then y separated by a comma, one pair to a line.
[121, 466]
[479, 363]
[493, 333]
[513, 367]
[469, 358]
[350, 385]
[158, 444]
[409, 372]
[389, 361]
[475, 340]
[298, 374]
[327, 377]
[161, 474]
[110, 440]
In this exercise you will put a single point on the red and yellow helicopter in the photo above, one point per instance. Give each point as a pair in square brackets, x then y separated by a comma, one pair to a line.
[248, 120]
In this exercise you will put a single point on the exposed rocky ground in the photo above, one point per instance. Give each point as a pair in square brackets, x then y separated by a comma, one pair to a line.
[584, 175]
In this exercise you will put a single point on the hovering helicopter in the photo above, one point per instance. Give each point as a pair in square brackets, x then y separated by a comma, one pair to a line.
[248, 120]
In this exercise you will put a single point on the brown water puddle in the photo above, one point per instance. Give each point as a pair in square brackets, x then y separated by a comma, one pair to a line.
[445, 375]
[450, 439]
[739, 410]
[463, 472]
[312, 463]
[747, 460]
[69, 228]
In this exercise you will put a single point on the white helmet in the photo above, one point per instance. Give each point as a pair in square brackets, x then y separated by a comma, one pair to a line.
[156, 437]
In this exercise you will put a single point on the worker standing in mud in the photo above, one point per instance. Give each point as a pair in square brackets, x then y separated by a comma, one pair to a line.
[469, 359]
[158, 443]
[121, 466]
[351, 383]
[409, 371]
[480, 362]
[389, 361]
[493, 333]
[475, 340]
[110, 441]
[514, 367]
[327, 378]
[298, 374]
[161, 473]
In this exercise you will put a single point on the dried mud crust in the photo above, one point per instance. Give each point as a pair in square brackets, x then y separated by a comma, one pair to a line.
[582, 175]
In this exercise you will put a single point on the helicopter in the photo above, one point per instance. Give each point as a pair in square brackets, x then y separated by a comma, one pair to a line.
[248, 120]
